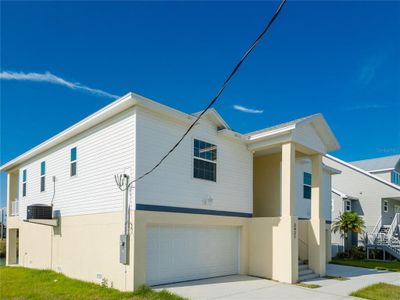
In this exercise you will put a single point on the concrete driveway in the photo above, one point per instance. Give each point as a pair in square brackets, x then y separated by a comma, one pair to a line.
[247, 287]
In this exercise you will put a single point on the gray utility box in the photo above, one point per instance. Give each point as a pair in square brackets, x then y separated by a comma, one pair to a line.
[124, 249]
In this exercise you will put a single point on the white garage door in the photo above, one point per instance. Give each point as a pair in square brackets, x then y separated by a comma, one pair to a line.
[179, 253]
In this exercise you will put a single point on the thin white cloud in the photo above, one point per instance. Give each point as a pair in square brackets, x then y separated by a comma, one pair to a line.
[51, 78]
[247, 110]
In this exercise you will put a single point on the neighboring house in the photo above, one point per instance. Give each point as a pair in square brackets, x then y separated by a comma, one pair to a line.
[374, 198]
[387, 167]
[222, 203]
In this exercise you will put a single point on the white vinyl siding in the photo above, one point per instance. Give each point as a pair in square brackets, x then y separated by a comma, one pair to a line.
[369, 192]
[181, 253]
[105, 150]
[174, 180]
[303, 205]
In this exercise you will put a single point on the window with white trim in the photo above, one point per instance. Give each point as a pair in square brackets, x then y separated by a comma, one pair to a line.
[395, 177]
[347, 205]
[385, 206]
[307, 185]
[42, 176]
[73, 164]
[24, 178]
[204, 160]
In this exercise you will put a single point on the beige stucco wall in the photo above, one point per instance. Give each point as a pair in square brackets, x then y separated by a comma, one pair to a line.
[267, 185]
[81, 247]
[328, 243]
[303, 239]
[145, 218]
[273, 248]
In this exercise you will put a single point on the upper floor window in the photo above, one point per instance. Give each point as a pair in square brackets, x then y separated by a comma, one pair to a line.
[347, 205]
[24, 178]
[395, 177]
[306, 185]
[385, 206]
[73, 166]
[42, 176]
[205, 160]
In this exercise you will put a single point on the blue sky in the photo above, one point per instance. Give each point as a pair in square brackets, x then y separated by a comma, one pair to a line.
[338, 58]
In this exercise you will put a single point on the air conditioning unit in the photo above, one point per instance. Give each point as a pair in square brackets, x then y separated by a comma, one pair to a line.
[39, 211]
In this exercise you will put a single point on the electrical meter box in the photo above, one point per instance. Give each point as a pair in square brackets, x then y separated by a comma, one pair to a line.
[124, 249]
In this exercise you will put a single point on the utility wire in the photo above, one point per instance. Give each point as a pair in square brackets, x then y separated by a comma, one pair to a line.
[222, 88]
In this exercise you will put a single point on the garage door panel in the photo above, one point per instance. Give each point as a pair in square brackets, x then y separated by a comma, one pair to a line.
[179, 253]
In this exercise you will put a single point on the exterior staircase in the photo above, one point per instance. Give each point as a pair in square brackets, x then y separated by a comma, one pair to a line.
[386, 238]
[305, 273]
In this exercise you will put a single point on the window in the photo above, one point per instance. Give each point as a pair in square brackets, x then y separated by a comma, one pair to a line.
[385, 206]
[42, 176]
[347, 205]
[306, 185]
[396, 177]
[73, 162]
[24, 177]
[205, 161]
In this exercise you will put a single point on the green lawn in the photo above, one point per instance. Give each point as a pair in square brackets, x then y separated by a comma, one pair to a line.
[22, 283]
[393, 266]
[379, 291]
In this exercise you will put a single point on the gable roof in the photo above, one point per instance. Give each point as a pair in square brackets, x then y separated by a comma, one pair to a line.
[378, 164]
[110, 110]
[317, 121]
[366, 173]
[213, 115]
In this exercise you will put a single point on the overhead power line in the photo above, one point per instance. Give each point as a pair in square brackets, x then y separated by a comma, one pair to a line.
[222, 88]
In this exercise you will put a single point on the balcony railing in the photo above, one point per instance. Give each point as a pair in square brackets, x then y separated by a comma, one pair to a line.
[15, 207]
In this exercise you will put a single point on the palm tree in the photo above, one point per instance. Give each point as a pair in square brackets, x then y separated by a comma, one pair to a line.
[348, 222]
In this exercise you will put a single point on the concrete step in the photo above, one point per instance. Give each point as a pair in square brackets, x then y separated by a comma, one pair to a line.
[303, 267]
[305, 272]
[308, 277]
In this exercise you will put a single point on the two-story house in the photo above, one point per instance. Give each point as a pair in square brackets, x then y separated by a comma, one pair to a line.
[373, 196]
[222, 203]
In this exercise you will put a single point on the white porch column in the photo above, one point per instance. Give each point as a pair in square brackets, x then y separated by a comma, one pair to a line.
[316, 230]
[286, 257]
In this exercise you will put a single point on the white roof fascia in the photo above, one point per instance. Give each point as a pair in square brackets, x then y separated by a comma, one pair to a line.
[362, 171]
[331, 170]
[232, 134]
[343, 195]
[381, 170]
[268, 133]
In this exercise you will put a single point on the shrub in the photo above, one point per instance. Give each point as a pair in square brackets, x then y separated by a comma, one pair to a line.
[342, 255]
[357, 253]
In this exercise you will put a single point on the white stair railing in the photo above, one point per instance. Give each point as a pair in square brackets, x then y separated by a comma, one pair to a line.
[393, 226]
[374, 233]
